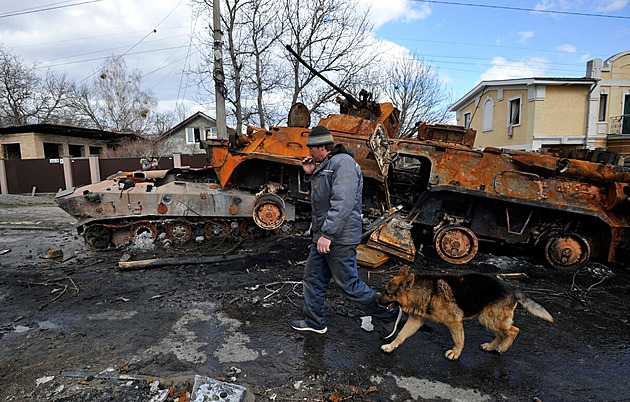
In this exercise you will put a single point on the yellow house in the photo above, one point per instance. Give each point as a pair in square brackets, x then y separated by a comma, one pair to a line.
[567, 113]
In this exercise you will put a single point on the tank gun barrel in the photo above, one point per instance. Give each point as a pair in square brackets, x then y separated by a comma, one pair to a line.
[348, 97]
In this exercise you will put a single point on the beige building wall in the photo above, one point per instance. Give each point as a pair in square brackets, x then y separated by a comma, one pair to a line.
[555, 112]
[498, 136]
[519, 132]
[32, 144]
[28, 146]
[565, 110]
[63, 141]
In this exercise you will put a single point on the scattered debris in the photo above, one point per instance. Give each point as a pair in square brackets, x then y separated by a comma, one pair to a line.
[233, 372]
[143, 241]
[113, 376]
[54, 282]
[366, 323]
[513, 275]
[209, 389]
[52, 253]
[162, 262]
[6, 250]
[44, 380]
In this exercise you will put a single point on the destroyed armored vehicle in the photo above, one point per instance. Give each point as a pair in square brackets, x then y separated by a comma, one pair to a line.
[431, 187]
[253, 182]
[568, 209]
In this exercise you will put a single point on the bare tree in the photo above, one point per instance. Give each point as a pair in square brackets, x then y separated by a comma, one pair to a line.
[330, 36]
[415, 87]
[250, 29]
[137, 148]
[266, 76]
[25, 97]
[114, 100]
[262, 79]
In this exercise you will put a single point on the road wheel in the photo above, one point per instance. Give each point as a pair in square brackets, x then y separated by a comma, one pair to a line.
[567, 250]
[456, 244]
[98, 237]
[269, 212]
[216, 230]
[141, 228]
[178, 232]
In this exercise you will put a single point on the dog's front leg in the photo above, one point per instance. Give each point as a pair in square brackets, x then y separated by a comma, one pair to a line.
[411, 326]
[457, 332]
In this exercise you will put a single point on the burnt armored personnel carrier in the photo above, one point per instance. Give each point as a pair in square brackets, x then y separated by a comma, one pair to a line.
[568, 209]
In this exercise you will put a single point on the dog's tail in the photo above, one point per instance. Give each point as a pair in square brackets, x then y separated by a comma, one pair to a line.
[533, 307]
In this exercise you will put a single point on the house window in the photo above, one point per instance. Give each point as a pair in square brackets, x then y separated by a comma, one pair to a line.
[12, 151]
[212, 133]
[95, 150]
[488, 115]
[603, 101]
[51, 151]
[193, 135]
[76, 151]
[514, 112]
[467, 119]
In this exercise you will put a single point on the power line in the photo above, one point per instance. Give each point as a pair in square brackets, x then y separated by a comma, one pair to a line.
[111, 49]
[137, 43]
[453, 3]
[449, 42]
[115, 57]
[38, 10]
[67, 40]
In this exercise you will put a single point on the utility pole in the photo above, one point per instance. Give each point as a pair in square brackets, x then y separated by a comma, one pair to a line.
[218, 74]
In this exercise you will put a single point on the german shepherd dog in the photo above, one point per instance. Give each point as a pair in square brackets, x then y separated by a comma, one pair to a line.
[451, 298]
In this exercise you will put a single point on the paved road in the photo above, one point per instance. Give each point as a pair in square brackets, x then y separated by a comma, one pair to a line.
[81, 314]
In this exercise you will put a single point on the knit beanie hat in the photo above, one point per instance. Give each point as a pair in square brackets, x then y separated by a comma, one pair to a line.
[319, 136]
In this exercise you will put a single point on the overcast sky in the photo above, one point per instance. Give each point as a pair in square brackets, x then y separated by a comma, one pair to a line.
[466, 41]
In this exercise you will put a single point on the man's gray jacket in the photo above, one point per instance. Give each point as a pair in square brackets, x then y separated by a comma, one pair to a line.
[336, 190]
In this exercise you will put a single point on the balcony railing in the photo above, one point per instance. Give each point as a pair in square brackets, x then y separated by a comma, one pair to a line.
[619, 125]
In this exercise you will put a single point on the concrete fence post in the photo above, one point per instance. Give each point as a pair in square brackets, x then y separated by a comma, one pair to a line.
[4, 184]
[95, 169]
[177, 160]
[67, 172]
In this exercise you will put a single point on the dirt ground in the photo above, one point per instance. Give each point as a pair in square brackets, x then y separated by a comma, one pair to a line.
[78, 328]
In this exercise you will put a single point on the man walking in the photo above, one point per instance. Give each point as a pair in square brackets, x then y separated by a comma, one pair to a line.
[336, 191]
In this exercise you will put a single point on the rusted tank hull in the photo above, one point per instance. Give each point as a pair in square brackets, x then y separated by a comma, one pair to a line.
[513, 197]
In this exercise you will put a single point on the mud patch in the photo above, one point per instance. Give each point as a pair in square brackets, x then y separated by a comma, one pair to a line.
[182, 341]
[420, 388]
[234, 349]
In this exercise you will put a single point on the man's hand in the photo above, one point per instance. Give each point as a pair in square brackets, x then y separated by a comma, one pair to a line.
[308, 164]
[323, 245]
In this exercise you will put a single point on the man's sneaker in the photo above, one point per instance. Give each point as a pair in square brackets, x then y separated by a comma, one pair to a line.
[301, 325]
[389, 329]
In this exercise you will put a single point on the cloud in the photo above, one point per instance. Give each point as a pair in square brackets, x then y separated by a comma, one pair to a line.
[76, 40]
[567, 48]
[404, 11]
[524, 35]
[611, 5]
[581, 5]
[503, 69]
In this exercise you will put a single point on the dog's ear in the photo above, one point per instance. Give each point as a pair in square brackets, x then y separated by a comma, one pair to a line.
[404, 270]
[409, 280]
